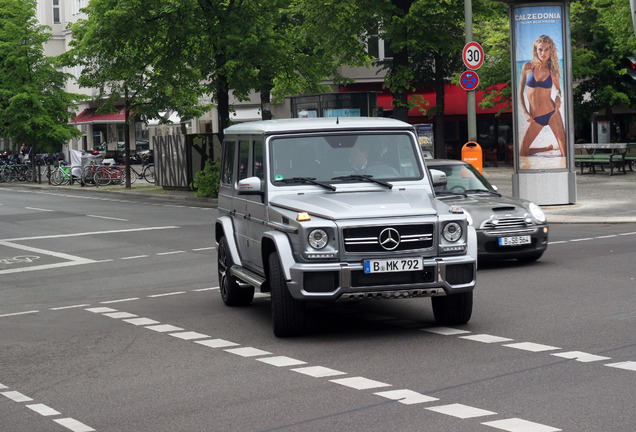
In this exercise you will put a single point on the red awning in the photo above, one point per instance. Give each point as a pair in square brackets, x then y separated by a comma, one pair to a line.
[89, 115]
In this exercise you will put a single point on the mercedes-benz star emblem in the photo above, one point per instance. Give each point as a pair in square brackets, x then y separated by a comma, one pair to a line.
[389, 238]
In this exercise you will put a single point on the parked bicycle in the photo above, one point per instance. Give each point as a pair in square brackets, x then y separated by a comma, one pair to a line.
[61, 175]
[147, 172]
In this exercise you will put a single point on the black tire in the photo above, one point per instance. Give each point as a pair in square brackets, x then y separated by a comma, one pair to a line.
[453, 309]
[149, 173]
[231, 293]
[288, 314]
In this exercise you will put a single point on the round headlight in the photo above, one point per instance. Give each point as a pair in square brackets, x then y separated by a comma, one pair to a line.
[318, 239]
[537, 213]
[452, 232]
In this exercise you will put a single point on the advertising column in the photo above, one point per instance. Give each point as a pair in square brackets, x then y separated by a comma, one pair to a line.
[542, 103]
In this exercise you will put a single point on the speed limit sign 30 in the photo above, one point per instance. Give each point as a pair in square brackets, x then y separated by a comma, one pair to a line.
[473, 55]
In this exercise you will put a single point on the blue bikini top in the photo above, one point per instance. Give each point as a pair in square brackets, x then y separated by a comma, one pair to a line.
[531, 82]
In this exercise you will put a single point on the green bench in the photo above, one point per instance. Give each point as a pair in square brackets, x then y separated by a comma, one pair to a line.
[599, 157]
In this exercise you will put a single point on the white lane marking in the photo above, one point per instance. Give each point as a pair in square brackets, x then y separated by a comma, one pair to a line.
[108, 217]
[485, 338]
[189, 335]
[90, 233]
[520, 425]
[101, 310]
[167, 294]
[281, 361]
[134, 257]
[216, 343]
[206, 289]
[628, 233]
[141, 321]
[19, 313]
[445, 331]
[119, 315]
[557, 242]
[43, 409]
[582, 239]
[580, 356]
[70, 307]
[406, 397]
[203, 248]
[532, 347]
[461, 411]
[163, 328]
[120, 300]
[360, 383]
[73, 425]
[72, 260]
[627, 365]
[2, 386]
[171, 253]
[607, 236]
[39, 209]
[318, 371]
[247, 352]
[16, 396]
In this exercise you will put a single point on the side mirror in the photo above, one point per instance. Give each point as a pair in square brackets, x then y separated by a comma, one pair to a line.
[439, 178]
[250, 186]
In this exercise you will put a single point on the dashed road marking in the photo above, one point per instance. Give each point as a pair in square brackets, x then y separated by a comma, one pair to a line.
[43, 409]
[520, 425]
[461, 411]
[167, 294]
[190, 335]
[19, 313]
[73, 425]
[627, 365]
[16, 396]
[360, 383]
[581, 356]
[485, 338]
[281, 361]
[318, 371]
[247, 352]
[531, 346]
[406, 397]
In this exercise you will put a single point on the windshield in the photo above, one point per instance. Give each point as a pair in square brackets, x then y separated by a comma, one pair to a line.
[345, 158]
[462, 178]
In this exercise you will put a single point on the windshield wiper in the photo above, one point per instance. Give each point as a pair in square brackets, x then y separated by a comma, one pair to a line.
[482, 190]
[364, 177]
[311, 180]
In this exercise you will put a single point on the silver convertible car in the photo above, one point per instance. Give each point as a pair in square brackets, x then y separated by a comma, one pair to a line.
[507, 228]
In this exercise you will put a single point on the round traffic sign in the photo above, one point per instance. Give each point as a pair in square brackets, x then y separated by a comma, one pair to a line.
[469, 80]
[473, 55]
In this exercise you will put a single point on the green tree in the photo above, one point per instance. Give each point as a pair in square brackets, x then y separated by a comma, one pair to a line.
[139, 53]
[425, 38]
[33, 101]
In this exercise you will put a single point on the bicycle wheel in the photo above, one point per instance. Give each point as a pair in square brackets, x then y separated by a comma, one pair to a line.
[29, 174]
[149, 173]
[133, 175]
[102, 176]
[87, 177]
[57, 178]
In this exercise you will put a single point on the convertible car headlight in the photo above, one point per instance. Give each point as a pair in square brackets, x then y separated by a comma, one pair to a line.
[452, 232]
[537, 213]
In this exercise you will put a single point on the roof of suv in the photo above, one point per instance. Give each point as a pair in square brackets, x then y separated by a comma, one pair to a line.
[316, 124]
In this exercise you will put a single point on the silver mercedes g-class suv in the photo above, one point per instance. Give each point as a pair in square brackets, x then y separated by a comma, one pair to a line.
[336, 209]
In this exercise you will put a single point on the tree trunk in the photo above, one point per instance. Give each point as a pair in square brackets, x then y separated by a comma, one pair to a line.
[266, 103]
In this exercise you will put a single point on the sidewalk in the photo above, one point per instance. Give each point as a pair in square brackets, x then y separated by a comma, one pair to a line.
[600, 198]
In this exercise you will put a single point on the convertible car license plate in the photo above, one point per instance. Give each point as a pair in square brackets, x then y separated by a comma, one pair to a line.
[393, 265]
[514, 241]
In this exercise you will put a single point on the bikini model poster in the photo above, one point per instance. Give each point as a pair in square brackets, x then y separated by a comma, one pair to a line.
[540, 114]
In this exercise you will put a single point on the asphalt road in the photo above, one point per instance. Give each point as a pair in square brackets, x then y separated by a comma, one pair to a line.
[111, 320]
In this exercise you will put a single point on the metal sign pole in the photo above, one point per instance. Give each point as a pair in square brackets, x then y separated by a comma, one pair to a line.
[471, 111]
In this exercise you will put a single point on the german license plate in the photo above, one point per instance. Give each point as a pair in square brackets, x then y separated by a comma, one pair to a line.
[393, 265]
[514, 241]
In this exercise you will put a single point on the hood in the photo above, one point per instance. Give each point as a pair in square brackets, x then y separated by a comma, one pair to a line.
[351, 205]
[489, 204]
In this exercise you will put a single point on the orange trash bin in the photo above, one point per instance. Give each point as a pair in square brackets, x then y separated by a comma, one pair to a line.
[471, 153]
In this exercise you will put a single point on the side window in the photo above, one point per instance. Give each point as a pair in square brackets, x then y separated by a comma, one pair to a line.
[244, 158]
[228, 163]
[258, 160]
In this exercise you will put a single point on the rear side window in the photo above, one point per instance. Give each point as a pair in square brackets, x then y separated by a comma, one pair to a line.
[227, 165]
[244, 159]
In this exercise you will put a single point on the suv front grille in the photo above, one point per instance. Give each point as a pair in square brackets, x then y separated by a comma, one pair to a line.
[368, 239]
[504, 223]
